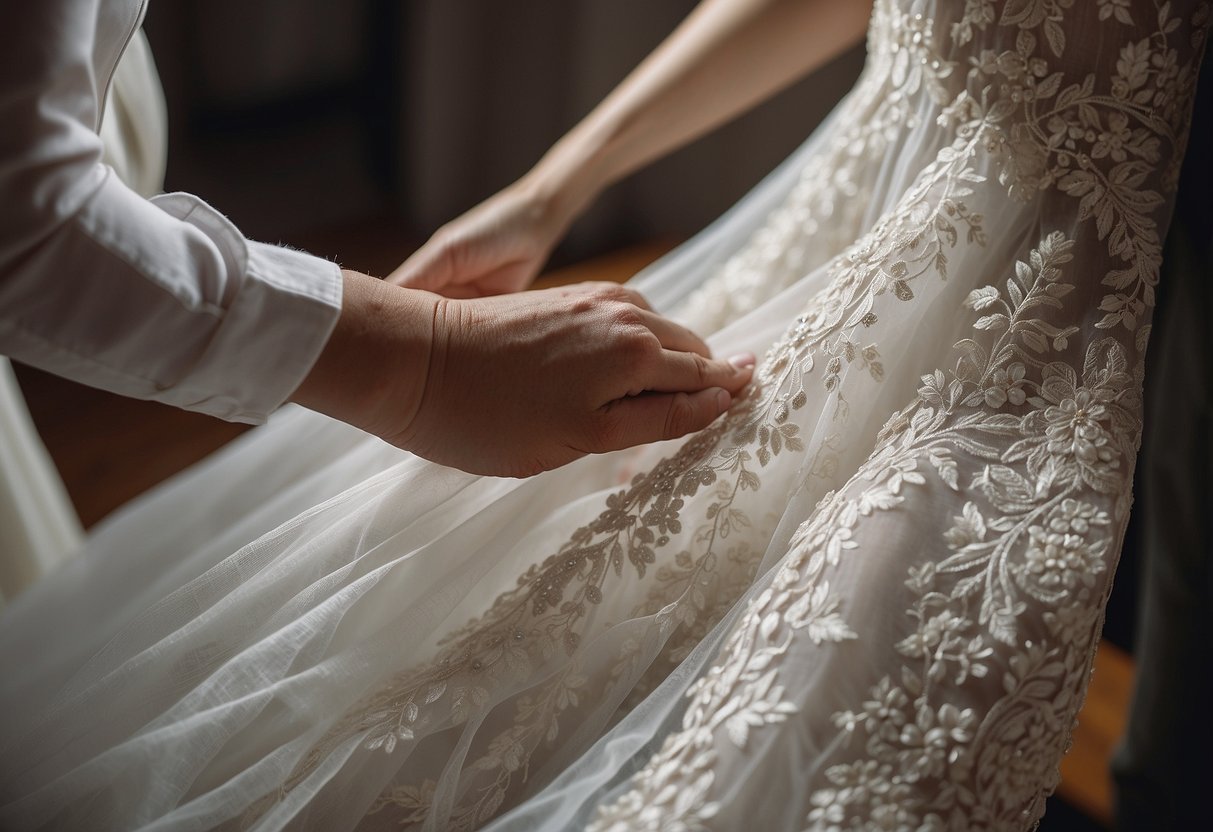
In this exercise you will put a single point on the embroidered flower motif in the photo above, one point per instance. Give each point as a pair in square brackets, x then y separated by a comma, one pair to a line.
[1007, 385]
[1072, 428]
[1075, 620]
[937, 631]
[506, 750]
[664, 515]
[977, 14]
[1113, 139]
[935, 740]
[1060, 557]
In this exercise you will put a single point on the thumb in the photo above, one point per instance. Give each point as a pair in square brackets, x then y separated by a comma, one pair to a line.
[652, 417]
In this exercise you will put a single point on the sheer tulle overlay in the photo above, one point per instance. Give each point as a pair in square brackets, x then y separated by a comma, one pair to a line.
[866, 598]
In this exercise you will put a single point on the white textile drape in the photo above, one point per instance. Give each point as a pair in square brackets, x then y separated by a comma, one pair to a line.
[868, 597]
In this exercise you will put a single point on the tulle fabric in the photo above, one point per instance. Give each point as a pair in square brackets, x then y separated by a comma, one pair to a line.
[867, 596]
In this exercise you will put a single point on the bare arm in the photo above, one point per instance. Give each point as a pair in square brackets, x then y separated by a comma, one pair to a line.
[726, 57]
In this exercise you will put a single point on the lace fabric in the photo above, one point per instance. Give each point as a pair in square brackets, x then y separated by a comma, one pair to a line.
[866, 598]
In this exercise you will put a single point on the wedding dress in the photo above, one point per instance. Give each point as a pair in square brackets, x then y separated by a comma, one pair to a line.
[868, 597]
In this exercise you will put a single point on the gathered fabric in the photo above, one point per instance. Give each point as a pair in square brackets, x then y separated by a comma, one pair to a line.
[866, 597]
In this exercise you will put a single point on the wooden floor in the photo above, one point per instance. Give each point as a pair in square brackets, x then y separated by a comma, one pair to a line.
[1085, 781]
[110, 449]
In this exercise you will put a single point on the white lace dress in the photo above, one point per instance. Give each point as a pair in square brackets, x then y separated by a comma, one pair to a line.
[866, 598]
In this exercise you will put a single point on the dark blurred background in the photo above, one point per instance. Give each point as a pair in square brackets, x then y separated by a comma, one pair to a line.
[301, 118]
[355, 129]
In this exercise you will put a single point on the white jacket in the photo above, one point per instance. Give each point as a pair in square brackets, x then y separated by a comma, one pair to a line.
[160, 299]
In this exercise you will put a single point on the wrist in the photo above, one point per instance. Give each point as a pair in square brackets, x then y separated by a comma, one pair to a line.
[373, 370]
[570, 176]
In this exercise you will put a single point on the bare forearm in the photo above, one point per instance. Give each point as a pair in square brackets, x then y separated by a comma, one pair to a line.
[727, 56]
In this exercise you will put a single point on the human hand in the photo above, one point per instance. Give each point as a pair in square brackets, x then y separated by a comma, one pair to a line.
[495, 248]
[519, 384]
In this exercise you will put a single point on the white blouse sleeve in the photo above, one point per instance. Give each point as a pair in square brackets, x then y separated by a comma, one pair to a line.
[160, 299]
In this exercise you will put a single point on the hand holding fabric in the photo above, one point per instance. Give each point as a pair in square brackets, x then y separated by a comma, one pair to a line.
[516, 384]
[523, 383]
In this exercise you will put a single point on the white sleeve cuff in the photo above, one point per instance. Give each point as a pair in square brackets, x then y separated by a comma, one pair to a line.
[270, 336]
[167, 300]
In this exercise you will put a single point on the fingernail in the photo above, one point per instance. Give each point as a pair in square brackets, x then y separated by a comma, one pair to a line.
[723, 400]
[743, 360]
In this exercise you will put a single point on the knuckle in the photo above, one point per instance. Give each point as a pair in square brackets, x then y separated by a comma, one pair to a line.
[624, 315]
[602, 431]
[680, 418]
[609, 291]
[699, 346]
[622, 324]
[604, 304]
[581, 304]
[638, 348]
[633, 297]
